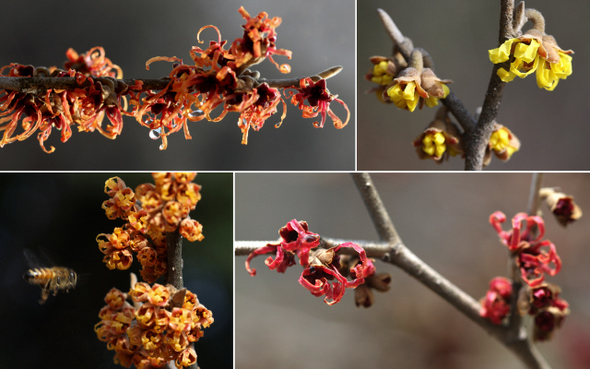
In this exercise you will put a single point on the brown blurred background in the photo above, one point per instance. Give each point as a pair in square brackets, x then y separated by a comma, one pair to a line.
[552, 126]
[443, 219]
[320, 34]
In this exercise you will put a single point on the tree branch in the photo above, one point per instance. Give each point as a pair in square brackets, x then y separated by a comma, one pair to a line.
[175, 262]
[452, 102]
[374, 205]
[36, 85]
[477, 139]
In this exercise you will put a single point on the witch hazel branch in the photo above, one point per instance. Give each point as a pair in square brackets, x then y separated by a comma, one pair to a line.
[333, 266]
[91, 87]
[407, 80]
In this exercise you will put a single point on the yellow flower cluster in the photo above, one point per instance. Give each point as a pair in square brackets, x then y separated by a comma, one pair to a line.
[533, 52]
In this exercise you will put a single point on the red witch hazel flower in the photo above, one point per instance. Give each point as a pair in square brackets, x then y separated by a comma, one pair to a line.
[325, 270]
[495, 306]
[533, 256]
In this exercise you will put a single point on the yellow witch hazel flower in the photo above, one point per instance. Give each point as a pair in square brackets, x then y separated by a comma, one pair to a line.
[412, 88]
[537, 52]
[440, 139]
[503, 143]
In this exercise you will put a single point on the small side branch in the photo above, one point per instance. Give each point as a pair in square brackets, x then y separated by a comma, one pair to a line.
[452, 102]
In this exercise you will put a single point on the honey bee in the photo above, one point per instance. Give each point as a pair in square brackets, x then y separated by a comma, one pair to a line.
[51, 280]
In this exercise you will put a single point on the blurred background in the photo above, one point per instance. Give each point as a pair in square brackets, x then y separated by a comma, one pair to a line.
[58, 216]
[320, 34]
[552, 126]
[443, 219]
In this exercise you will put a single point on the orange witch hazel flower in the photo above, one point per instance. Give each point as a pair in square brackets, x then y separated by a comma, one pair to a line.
[150, 212]
[59, 109]
[161, 326]
[219, 82]
[221, 79]
[319, 98]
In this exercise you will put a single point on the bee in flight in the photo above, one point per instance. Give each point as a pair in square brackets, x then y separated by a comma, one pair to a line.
[51, 280]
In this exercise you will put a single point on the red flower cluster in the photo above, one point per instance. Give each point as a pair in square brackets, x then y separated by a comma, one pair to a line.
[151, 211]
[533, 256]
[548, 309]
[325, 270]
[86, 105]
[495, 306]
[162, 326]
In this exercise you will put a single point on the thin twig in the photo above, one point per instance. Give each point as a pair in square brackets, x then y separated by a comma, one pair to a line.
[373, 249]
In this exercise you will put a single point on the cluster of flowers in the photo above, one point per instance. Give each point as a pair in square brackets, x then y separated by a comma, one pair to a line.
[220, 77]
[86, 105]
[443, 138]
[533, 51]
[534, 258]
[150, 212]
[325, 271]
[161, 326]
[411, 86]
[407, 86]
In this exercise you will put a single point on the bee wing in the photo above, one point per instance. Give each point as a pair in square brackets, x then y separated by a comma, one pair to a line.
[32, 258]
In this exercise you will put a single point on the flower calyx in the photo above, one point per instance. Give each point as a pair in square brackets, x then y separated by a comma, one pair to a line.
[562, 206]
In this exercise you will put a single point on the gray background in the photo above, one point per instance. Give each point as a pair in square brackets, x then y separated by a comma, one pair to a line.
[443, 219]
[320, 34]
[552, 126]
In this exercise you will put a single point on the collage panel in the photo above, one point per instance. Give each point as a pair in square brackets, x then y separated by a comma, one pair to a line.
[216, 97]
[68, 251]
[535, 121]
[453, 251]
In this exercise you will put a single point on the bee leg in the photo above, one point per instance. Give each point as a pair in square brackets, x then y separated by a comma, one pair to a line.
[44, 293]
[56, 285]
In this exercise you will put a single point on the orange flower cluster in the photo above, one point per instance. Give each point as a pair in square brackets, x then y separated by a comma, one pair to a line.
[86, 105]
[161, 326]
[219, 78]
[151, 211]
